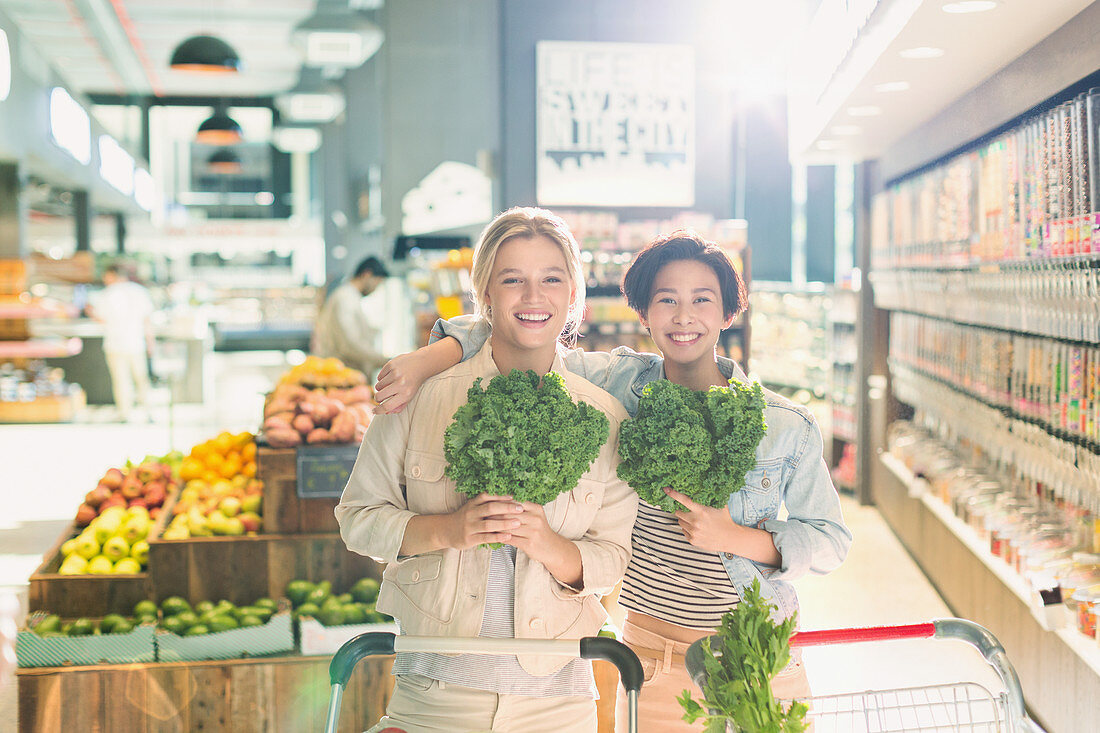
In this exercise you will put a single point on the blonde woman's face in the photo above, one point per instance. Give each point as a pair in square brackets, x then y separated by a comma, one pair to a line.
[529, 294]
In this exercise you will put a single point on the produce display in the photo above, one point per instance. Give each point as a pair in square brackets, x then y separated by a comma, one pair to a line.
[316, 600]
[114, 543]
[146, 484]
[316, 371]
[294, 415]
[207, 617]
[222, 495]
[112, 623]
[752, 650]
[522, 436]
[699, 443]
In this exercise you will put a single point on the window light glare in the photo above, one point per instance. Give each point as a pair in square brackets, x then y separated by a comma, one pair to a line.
[921, 52]
[866, 110]
[892, 86]
[969, 6]
[827, 145]
[846, 130]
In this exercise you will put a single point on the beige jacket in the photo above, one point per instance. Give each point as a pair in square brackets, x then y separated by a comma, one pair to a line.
[399, 473]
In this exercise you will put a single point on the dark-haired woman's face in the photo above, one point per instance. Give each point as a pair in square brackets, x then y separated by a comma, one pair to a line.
[685, 313]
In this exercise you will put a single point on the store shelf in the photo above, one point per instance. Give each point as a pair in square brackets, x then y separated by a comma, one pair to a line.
[42, 349]
[1058, 667]
[35, 310]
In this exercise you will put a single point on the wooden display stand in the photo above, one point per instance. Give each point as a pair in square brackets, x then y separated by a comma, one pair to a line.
[242, 569]
[73, 596]
[274, 694]
[284, 511]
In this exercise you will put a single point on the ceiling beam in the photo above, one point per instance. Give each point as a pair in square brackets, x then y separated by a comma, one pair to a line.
[172, 100]
[103, 23]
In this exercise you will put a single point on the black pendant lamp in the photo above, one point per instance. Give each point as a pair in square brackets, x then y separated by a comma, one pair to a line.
[219, 129]
[206, 54]
[224, 162]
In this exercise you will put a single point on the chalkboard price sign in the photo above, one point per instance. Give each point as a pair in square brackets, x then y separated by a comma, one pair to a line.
[323, 470]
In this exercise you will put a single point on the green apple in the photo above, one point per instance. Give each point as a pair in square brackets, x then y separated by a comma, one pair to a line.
[230, 506]
[68, 547]
[140, 551]
[126, 566]
[116, 548]
[251, 503]
[100, 565]
[107, 525]
[137, 510]
[233, 526]
[136, 528]
[87, 546]
[216, 521]
[73, 565]
[198, 525]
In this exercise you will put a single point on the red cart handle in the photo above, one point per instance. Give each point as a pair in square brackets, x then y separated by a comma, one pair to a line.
[874, 633]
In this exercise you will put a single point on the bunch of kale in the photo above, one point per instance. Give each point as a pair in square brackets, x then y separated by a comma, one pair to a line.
[699, 443]
[522, 436]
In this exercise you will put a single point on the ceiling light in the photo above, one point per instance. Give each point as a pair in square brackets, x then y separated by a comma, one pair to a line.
[219, 129]
[921, 52]
[296, 139]
[205, 54]
[866, 110]
[336, 36]
[311, 100]
[969, 6]
[846, 130]
[224, 162]
[892, 86]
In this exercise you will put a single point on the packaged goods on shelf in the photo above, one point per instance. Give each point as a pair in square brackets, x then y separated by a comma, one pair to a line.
[82, 641]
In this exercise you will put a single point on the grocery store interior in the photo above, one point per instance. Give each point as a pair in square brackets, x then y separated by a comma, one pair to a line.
[910, 190]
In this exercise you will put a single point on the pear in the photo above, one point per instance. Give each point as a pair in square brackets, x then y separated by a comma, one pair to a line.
[116, 548]
[87, 546]
[73, 565]
[100, 565]
[140, 551]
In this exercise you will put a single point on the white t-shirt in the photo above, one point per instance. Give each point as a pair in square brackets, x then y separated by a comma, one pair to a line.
[124, 308]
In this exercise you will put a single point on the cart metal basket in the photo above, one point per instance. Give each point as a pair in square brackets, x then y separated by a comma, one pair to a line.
[593, 647]
[965, 706]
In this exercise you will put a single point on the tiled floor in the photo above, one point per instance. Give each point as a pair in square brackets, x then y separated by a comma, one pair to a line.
[47, 469]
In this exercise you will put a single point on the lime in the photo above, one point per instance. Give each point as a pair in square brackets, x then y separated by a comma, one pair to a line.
[203, 607]
[265, 603]
[48, 625]
[173, 624]
[145, 608]
[251, 621]
[223, 623]
[297, 590]
[196, 630]
[365, 590]
[81, 627]
[108, 622]
[354, 613]
[308, 609]
[174, 605]
[122, 627]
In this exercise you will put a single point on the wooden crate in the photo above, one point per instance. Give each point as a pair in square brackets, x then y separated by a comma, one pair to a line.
[283, 511]
[43, 410]
[74, 596]
[273, 694]
[242, 569]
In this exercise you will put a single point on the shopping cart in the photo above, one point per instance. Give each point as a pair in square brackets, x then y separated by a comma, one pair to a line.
[592, 647]
[965, 706]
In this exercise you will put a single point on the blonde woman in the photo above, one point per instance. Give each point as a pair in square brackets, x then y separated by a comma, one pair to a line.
[557, 559]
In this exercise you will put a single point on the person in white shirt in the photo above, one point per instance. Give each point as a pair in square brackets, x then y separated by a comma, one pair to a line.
[343, 330]
[124, 307]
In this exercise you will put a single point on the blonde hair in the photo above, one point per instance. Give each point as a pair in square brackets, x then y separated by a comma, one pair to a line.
[527, 222]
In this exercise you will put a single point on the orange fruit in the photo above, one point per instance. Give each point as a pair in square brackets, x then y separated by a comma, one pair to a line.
[224, 442]
[242, 439]
[231, 467]
[249, 469]
[210, 476]
[248, 452]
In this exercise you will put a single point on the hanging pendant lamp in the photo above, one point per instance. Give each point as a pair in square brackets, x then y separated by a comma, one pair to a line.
[224, 162]
[219, 129]
[205, 54]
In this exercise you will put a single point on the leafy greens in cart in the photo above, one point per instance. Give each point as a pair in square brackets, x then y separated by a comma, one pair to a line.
[751, 650]
[699, 443]
[522, 436]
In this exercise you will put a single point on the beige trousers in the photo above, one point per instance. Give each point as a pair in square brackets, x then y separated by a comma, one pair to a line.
[127, 371]
[423, 705]
[660, 647]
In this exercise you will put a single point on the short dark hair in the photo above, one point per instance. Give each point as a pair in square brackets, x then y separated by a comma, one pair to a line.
[372, 265]
[682, 245]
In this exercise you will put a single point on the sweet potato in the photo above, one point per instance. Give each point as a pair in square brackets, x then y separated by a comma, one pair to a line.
[318, 435]
[283, 437]
[278, 405]
[322, 409]
[279, 421]
[343, 427]
[303, 424]
[361, 393]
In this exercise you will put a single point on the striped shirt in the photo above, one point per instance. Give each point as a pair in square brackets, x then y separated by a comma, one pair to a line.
[672, 580]
[499, 673]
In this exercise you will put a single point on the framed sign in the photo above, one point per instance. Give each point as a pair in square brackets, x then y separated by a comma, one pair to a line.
[323, 470]
[615, 124]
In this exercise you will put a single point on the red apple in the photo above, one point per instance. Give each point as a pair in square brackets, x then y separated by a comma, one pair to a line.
[113, 500]
[155, 496]
[154, 512]
[113, 478]
[131, 488]
[97, 496]
[138, 502]
[149, 472]
[85, 514]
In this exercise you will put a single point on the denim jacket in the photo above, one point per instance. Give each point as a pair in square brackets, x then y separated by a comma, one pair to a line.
[790, 468]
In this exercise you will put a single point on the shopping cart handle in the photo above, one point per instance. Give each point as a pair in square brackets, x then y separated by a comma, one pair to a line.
[619, 654]
[364, 645]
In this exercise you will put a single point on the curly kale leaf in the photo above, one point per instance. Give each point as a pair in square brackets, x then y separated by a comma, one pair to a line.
[749, 650]
[699, 443]
[522, 436]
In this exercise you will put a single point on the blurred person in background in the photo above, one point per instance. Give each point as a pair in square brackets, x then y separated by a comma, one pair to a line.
[343, 330]
[124, 307]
